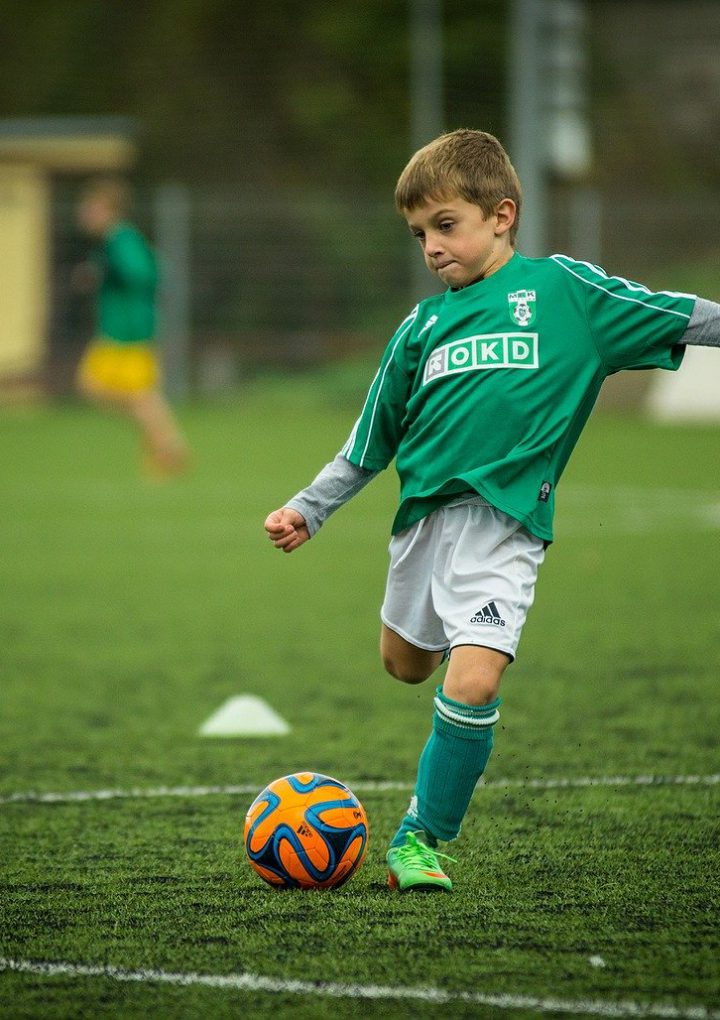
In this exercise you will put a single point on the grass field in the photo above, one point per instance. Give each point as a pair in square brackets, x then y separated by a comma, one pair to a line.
[130, 611]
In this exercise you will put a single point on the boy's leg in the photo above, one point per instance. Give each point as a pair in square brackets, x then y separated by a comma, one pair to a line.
[165, 444]
[406, 661]
[463, 577]
[483, 576]
[459, 746]
[474, 674]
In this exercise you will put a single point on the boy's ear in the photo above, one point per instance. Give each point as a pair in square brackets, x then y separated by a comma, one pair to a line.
[505, 215]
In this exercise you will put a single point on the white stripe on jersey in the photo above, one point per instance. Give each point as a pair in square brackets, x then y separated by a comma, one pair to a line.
[638, 287]
[400, 335]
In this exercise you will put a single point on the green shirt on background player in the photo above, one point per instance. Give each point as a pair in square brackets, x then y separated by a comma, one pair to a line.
[128, 285]
[480, 397]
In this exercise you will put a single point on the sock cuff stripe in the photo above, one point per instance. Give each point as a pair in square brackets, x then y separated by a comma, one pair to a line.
[460, 707]
[467, 721]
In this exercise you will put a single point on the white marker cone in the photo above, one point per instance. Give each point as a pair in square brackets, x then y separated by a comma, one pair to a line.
[244, 716]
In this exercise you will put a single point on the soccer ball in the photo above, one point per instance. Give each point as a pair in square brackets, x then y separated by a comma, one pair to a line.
[306, 831]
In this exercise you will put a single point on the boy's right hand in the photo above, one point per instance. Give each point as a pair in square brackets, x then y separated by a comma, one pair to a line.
[286, 529]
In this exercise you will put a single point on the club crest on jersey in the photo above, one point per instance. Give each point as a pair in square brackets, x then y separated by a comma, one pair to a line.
[522, 307]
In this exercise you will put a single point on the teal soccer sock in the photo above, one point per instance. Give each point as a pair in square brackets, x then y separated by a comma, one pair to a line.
[450, 765]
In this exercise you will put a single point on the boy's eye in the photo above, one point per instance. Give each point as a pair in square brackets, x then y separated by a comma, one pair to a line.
[418, 234]
[446, 225]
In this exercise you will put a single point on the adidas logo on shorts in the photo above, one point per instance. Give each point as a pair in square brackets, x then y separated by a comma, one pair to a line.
[488, 614]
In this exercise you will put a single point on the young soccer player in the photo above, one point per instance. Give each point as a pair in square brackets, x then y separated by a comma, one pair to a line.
[480, 397]
[119, 369]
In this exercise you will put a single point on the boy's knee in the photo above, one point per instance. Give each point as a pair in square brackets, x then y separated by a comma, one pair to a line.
[405, 661]
[478, 690]
[474, 674]
[406, 672]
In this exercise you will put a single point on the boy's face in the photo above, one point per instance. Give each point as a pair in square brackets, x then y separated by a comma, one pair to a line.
[459, 245]
[96, 215]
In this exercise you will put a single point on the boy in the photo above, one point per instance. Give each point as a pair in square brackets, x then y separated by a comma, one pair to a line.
[480, 397]
[119, 369]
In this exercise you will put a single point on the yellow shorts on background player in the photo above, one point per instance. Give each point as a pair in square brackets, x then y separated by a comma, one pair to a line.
[118, 369]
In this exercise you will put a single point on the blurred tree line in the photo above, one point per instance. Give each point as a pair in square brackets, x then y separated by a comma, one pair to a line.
[305, 94]
[289, 121]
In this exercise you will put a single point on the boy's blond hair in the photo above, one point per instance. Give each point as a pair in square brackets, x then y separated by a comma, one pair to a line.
[470, 164]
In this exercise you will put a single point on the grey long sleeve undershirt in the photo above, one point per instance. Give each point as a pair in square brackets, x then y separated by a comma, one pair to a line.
[704, 327]
[340, 480]
[337, 483]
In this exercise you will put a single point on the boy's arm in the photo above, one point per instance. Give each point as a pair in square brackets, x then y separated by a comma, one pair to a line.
[704, 327]
[371, 446]
[304, 514]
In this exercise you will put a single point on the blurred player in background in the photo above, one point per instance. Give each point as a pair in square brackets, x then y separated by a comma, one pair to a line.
[480, 397]
[119, 369]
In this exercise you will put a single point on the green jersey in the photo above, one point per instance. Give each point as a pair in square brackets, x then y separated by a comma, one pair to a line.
[128, 282]
[487, 389]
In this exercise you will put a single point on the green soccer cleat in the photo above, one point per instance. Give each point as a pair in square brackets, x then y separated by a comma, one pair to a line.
[414, 865]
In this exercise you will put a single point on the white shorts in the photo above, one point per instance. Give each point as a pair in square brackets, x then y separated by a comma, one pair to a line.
[464, 575]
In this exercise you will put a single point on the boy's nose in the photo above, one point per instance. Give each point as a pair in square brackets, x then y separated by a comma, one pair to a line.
[433, 245]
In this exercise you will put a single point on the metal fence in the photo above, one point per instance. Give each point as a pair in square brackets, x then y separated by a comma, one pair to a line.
[259, 277]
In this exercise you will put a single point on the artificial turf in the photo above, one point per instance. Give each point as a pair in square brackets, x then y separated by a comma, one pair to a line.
[130, 610]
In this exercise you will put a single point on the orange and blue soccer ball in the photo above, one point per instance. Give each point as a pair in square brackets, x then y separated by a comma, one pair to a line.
[306, 831]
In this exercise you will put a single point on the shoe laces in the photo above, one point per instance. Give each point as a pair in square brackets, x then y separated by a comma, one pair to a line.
[413, 849]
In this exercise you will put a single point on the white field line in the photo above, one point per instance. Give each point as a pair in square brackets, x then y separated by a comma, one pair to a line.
[361, 786]
[257, 983]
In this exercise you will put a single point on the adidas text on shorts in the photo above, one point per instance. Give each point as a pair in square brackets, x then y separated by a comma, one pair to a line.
[464, 575]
